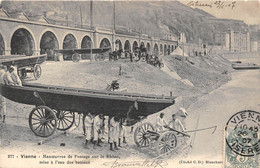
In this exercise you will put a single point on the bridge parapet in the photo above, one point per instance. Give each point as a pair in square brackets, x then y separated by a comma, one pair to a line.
[103, 30]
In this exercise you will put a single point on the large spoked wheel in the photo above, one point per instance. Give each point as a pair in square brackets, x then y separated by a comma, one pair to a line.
[142, 137]
[43, 121]
[76, 57]
[166, 143]
[37, 71]
[65, 119]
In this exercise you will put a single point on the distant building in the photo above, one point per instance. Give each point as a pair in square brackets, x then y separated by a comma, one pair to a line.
[170, 36]
[222, 39]
[254, 46]
[182, 38]
[234, 41]
[255, 37]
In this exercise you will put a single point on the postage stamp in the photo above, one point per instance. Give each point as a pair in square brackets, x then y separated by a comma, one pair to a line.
[242, 143]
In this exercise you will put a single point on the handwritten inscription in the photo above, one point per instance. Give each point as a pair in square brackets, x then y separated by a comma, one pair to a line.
[213, 4]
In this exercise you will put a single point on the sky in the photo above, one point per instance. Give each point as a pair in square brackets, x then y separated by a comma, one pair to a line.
[246, 10]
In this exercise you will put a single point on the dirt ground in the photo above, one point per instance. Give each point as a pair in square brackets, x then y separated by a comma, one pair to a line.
[205, 73]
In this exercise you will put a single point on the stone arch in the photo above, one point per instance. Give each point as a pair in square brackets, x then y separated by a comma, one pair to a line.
[105, 43]
[86, 43]
[48, 43]
[156, 49]
[148, 47]
[127, 46]
[165, 50]
[142, 44]
[118, 44]
[161, 48]
[69, 42]
[135, 44]
[2, 45]
[22, 42]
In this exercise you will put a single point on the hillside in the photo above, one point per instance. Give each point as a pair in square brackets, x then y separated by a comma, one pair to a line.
[154, 18]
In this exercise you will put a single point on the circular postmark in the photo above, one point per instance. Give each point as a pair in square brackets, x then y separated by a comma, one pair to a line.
[242, 133]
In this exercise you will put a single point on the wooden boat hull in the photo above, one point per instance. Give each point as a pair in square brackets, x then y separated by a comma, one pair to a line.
[87, 101]
[22, 61]
[245, 67]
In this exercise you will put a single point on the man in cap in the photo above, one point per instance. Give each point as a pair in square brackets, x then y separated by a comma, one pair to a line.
[15, 76]
[88, 125]
[176, 123]
[97, 125]
[160, 122]
[3, 70]
[114, 132]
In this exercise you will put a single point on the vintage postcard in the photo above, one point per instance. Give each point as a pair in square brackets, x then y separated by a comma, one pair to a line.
[130, 83]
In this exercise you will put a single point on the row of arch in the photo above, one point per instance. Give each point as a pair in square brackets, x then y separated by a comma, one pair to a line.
[22, 42]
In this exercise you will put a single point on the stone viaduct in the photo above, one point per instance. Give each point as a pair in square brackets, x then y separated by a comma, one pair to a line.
[23, 36]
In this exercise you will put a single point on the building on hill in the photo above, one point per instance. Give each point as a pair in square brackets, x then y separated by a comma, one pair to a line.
[234, 41]
[255, 37]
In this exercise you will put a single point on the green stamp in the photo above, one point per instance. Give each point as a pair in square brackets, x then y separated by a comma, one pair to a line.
[242, 136]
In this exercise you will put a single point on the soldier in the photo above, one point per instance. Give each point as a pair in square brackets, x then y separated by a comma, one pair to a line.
[97, 126]
[114, 131]
[88, 125]
[160, 122]
[3, 70]
[176, 124]
[122, 132]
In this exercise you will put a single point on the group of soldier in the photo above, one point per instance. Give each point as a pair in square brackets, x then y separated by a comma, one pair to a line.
[8, 76]
[94, 129]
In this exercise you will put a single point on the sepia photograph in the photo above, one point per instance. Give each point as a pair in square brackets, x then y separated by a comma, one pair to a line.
[129, 83]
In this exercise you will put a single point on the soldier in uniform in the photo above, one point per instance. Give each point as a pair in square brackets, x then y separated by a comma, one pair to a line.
[97, 126]
[122, 132]
[88, 126]
[160, 122]
[3, 70]
[114, 132]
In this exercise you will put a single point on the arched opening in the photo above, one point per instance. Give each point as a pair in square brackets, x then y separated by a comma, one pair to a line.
[135, 45]
[148, 47]
[2, 45]
[48, 43]
[172, 48]
[169, 50]
[142, 45]
[22, 42]
[165, 50]
[69, 42]
[161, 49]
[155, 49]
[118, 45]
[86, 43]
[127, 46]
[105, 43]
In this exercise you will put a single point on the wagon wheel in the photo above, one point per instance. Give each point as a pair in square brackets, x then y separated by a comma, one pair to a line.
[101, 57]
[65, 119]
[141, 136]
[166, 143]
[42, 121]
[76, 57]
[37, 71]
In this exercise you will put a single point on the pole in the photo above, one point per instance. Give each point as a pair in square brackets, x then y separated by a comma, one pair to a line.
[80, 17]
[114, 14]
[91, 14]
